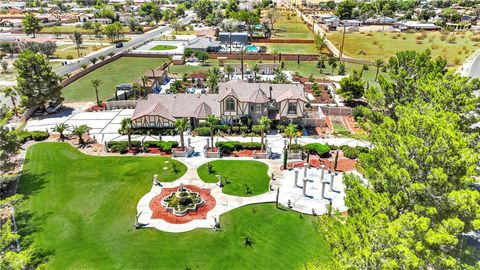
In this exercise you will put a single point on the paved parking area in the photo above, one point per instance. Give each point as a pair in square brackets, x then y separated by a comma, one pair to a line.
[104, 124]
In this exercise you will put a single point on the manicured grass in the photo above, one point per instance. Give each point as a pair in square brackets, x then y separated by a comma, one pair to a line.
[63, 51]
[293, 28]
[71, 28]
[385, 45]
[306, 68]
[163, 48]
[240, 174]
[81, 210]
[123, 70]
[308, 48]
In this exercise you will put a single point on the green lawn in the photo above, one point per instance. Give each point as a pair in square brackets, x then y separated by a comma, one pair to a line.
[371, 46]
[71, 28]
[308, 48]
[63, 51]
[291, 28]
[163, 48]
[240, 174]
[81, 210]
[306, 68]
[123, 70]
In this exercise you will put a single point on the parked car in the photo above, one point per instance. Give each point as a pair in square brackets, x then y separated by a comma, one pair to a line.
[119, 45]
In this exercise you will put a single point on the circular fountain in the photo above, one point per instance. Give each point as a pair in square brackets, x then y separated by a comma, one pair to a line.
[182, 201]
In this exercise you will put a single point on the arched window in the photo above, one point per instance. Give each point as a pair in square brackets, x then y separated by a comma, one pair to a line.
[230, 105]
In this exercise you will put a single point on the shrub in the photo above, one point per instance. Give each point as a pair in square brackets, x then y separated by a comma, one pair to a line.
[280, 128]
[39, 135]
[257, 129]
[202, 131]
[36, 135]
[318, 148]
[296, 147]
[69, 57]
[353, 152]
[243, 129]
[165, 146]
[231, 146]
[228, 146]
[122, 146]
[360, 112]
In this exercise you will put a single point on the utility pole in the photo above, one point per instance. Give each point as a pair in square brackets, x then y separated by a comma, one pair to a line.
[343, 42]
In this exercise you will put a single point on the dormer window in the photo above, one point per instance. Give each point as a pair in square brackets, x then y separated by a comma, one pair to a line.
[292, 108]
[230, 105]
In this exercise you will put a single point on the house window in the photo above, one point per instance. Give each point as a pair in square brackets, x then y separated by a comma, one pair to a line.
[258, 108]
[230, 105]
[292, 108]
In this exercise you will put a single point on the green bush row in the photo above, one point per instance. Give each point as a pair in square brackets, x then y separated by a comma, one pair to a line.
[317, 148]
[235, 146]
[165, 146]
[36, 135]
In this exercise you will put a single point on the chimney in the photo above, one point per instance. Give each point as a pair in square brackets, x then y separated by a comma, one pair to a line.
[271, 92]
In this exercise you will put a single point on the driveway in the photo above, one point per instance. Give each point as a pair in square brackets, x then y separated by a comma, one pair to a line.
[104, 124]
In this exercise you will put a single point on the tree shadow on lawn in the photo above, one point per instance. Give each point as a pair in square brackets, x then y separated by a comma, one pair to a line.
[29, 184]
[28, 222]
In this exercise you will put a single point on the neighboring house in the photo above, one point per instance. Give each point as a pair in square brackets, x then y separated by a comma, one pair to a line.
[11, 22]
[236, 99]
[237, 68]
[90, 17]
[351, 23]
[155, 78]
[267, 69]
[240, 38]
[178, 60]
[405, 25]
[205, 44]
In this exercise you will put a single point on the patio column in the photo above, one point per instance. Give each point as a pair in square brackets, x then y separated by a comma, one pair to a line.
[305, 180]
[322, 175]
[305, 169]
[332, 181]
[296, 177]
[323, 189]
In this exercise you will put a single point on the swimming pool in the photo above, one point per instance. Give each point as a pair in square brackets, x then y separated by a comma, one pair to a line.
[252, 48]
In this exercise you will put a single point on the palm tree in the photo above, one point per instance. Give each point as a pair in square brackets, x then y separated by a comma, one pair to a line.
[77, 39]
[321, 42]
[280, 77]
[378, 64]
[181, 125]
[60, 128]
[321, 61]
[332, 61]
[79, 131]
[12, 93]
[274, 53]
[290, 132]
[126, 126]
[212, 121]
[136, 87]
[264, 125]
[229, 70]
[255, 70]
[144, 82]
[95, 84]
[242, 54]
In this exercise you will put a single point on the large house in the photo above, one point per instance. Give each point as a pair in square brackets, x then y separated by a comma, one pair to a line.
[283, 103]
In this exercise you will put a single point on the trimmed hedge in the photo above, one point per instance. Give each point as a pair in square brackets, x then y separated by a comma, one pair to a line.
[122, 146]
[202, 131]
[36, 135]
[165, 146]
[235, 146]
[317, 148]
[353, 152]
[155, 131]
